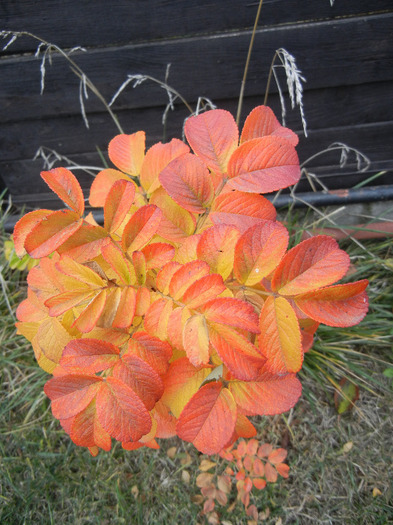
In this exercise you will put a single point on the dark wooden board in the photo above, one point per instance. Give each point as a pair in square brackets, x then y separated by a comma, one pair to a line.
[105, 23]
[324, 108]
[330, 54]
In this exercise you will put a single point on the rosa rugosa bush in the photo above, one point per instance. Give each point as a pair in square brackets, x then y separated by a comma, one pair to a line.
[185, 312]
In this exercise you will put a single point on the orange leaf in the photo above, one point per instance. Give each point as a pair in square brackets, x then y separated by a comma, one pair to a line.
[66, 186]
[241, 209]
[258, 467]
[217, 247]
[85, 244]
[340, 305]
[87, 431]
[141, 378]
[121, 412]
[51, 232]
[196, 340]
[213, 135]
[268, 395]
[176, 323]
[312, 264]
[208, 419]
[88, 356]
[232, 312]
[139, 263]
[118, 203]
[24, 226]
[88, 318]
[237, 353]
[82, 273]
[262, 122]
[280, 338]
[258, 252]
[259, 483]
[270, 473]
[157, 158]
[158, 254]
[188, 182]
[180, 384]
[126, 310]
[102, 184]
[71, 394]
[282, 469]
[142, 300]
[156, 318]
[152, 350]
[165, 275]
[176, 222]
[185, 276]
[127, 152]
[263, 165]
[141, 228]
[58, 304]
[277, 456]
[166, 422]
[202, 290]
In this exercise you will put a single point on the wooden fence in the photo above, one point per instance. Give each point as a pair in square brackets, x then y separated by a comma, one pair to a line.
[344, 51]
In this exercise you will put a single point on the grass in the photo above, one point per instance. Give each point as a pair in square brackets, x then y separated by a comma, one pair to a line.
[341, 466]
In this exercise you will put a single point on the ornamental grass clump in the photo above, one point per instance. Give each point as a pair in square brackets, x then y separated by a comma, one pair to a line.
[185, 313]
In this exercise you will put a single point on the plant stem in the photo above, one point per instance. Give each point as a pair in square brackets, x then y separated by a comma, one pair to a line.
[269, 78]
[243, 85]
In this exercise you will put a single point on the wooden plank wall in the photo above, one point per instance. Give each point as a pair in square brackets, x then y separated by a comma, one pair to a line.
[345, 52]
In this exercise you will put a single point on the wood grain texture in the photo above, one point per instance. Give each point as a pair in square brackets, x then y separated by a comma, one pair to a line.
[119, 22]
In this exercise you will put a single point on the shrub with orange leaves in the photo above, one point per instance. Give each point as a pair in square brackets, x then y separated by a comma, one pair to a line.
[184, 313]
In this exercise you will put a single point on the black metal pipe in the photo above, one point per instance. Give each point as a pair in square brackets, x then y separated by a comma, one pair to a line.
[300, 200]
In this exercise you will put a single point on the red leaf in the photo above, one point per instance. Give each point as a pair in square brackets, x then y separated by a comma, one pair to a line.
[126, 310]
[88, 318]
[262, 122]
[258, 252]
[217, 247]
[185, 276]
[263, 165]
[213, 135]
[152, 350]
[158, 254]
[188, 182]
[24, 226]
[196, 340]
[118, 203]
[208, 419]
[181, 382]
[280, 339]
[267, 396]
[233, 312]
[241, 209]
[71, 394]
[176, 222]
[203, 290]
[127, 152]
[141, 377]
[312, 264]
[88, 356]
[102, 184]
[270, 473]
[121, 412]
[157, 158]
[165, 275]
[51, 232]
[340, 305]
[141, 228]
[237, 353]
[277, 456]
[85, 244]
[87, 431]
[66, 186]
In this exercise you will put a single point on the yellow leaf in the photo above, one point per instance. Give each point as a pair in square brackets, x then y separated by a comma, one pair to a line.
[206, 465]
[171, 452]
